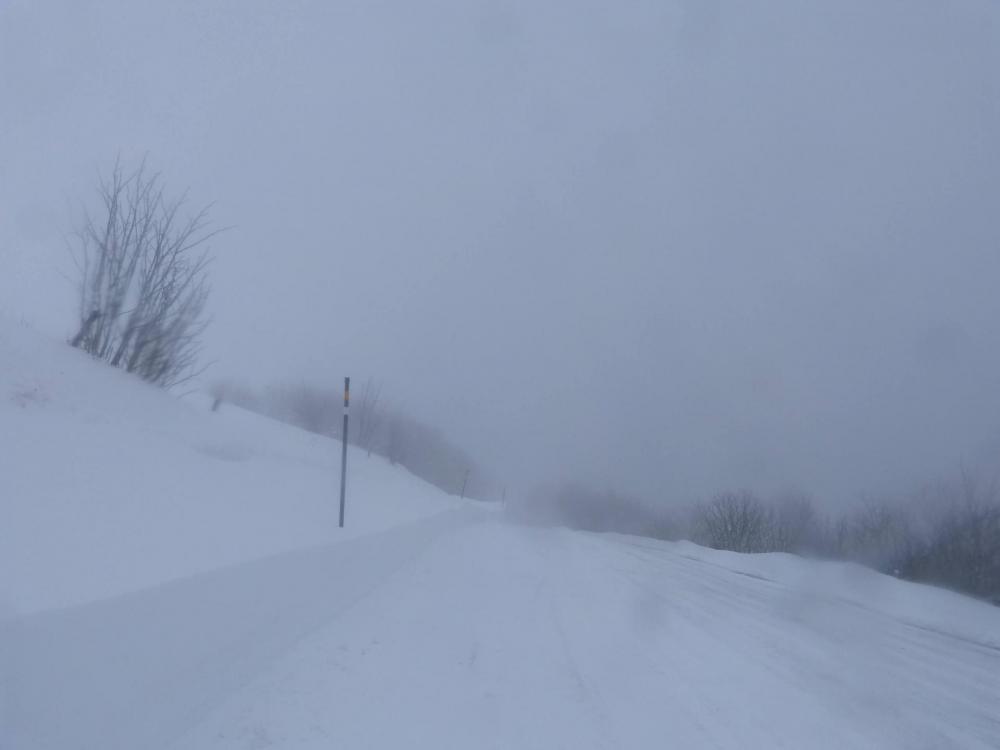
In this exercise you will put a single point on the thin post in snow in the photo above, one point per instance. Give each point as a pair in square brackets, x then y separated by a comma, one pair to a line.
[343, 450]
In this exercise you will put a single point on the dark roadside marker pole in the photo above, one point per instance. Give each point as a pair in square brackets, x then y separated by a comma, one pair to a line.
[343, 450]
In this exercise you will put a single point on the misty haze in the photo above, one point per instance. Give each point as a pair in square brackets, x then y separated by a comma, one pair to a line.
[499, 374]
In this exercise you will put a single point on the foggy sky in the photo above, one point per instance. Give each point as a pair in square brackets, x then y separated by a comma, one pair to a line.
[665, 247]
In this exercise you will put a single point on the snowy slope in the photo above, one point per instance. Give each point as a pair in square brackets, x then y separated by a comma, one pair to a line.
[109, 485]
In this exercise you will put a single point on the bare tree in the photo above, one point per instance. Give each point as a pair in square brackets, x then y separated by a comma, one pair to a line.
[878, 534]
[795, 525]
[143, 283]
[735, 521]
[961, 548]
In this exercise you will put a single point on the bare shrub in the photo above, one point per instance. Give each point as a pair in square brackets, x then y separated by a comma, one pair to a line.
[961, 546]
[143, 283]
[879, 535]
[376, 428]
[795, 525]
[736, 521]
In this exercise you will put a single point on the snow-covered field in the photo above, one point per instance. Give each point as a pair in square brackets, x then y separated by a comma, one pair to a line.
[174, 578]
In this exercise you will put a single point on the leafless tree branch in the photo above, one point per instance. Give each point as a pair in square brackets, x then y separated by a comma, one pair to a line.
[143, 278]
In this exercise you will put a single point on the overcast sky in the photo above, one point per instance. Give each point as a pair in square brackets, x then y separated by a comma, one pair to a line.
[662, 246]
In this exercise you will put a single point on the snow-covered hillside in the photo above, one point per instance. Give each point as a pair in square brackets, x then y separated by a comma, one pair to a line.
[174, 578]
[109, 485]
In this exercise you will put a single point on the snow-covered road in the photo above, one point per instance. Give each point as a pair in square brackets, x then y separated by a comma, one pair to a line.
[502, 636]
[463, 631]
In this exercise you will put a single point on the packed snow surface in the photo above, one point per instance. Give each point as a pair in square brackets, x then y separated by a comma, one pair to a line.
[174, 578]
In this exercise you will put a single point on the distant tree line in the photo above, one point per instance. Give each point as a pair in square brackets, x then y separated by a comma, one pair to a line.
[948, 534]
[375, 426]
